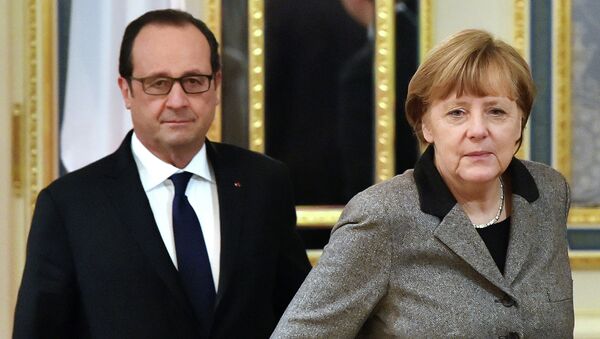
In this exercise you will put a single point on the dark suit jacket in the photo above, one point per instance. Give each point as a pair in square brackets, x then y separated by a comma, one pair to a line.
[97, 266]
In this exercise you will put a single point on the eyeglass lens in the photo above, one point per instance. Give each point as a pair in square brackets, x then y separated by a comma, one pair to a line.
[191, 84]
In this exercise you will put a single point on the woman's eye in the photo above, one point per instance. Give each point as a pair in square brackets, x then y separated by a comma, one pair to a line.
[497, 112]
[457, 113]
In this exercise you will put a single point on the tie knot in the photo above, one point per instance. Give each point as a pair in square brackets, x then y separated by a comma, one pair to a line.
[180, 181]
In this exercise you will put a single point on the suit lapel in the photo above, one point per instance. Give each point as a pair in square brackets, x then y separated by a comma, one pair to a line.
[519, 245]
[125, 192]
[456, 232]
[231, 191]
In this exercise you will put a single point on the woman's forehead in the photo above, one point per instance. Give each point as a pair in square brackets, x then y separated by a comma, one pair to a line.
[498, 88]
[491, 79]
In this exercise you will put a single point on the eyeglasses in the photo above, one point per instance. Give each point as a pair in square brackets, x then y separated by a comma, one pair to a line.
[161, 85]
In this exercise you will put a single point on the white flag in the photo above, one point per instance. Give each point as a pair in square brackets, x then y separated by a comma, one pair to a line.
[95, 119]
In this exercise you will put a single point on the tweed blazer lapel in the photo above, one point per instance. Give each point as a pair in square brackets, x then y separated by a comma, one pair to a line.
[519, 245]
[456, 231]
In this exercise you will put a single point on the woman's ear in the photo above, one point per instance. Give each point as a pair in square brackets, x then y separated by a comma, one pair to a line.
[427, 134]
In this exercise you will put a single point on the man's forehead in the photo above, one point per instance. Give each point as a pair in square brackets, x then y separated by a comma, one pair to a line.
[156, 33]
[164, 49]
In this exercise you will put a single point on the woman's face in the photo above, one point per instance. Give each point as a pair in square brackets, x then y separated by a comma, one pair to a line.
[475, 138]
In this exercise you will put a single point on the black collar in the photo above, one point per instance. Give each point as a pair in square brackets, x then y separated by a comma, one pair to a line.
[435, 197]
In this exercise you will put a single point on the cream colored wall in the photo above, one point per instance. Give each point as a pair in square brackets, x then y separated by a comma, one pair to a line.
[454, 15]
[197, 8]
[586, 297]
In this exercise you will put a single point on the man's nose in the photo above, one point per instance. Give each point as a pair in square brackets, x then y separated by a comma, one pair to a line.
[177, 97]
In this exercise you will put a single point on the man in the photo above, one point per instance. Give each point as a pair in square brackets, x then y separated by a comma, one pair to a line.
[128, 248]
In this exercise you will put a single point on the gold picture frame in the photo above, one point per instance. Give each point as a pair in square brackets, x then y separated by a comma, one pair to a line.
[562, 89]
[327, 216]
[212, 17]
[579, 217]
[34, 114]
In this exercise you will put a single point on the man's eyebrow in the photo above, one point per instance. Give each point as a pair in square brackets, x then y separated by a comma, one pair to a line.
[184, 74]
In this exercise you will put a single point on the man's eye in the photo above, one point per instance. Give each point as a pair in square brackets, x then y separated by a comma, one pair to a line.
[160, 83]
[195, 81]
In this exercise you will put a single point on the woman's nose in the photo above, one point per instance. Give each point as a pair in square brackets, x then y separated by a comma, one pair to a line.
[477, 127]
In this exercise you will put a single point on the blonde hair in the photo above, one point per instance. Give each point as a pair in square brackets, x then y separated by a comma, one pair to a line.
[469, 62]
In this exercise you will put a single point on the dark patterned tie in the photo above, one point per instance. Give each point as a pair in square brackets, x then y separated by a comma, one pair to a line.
[192, 258]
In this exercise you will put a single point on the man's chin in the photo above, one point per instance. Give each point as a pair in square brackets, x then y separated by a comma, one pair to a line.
[185, 142]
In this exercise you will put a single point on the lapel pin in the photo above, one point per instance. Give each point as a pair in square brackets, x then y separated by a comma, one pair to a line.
[237, 184]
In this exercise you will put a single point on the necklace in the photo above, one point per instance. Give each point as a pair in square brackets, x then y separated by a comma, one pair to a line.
[500, 208]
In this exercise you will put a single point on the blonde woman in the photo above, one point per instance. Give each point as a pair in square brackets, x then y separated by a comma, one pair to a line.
[472, 242]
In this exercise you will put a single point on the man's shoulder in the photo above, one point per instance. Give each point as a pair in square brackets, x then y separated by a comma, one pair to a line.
[84, 176]
[239, 156]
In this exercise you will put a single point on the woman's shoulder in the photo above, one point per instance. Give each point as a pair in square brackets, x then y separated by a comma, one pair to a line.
[549, 182]
[392, 188]
[542, 172]
[387, 197]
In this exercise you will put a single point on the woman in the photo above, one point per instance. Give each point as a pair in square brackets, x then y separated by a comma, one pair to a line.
[472, 243]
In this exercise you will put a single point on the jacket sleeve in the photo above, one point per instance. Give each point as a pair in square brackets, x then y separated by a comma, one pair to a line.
[292, 263]
[46, 300]
[351, 277]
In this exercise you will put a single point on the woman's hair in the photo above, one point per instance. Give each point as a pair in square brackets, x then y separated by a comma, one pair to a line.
[470, 62]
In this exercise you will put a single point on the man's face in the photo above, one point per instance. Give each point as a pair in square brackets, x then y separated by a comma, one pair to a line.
[176, 123]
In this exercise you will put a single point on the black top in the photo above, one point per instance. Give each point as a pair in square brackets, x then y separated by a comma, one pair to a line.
[495, 238]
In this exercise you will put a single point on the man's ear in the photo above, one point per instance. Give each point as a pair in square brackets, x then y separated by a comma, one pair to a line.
[217, 81]
[126, 92]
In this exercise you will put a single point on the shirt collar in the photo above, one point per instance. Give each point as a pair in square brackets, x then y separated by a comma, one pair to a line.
[161, 171]
[435, 197]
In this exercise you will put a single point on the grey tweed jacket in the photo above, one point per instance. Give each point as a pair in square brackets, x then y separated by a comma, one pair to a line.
[404, 261]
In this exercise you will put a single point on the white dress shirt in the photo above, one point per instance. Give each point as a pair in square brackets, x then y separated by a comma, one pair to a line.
[201, 192]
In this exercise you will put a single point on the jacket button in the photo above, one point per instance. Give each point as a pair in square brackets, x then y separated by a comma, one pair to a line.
[514, 335]
[506, 301]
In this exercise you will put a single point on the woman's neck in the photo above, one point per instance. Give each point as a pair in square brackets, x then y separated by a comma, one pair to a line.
[482, 202]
